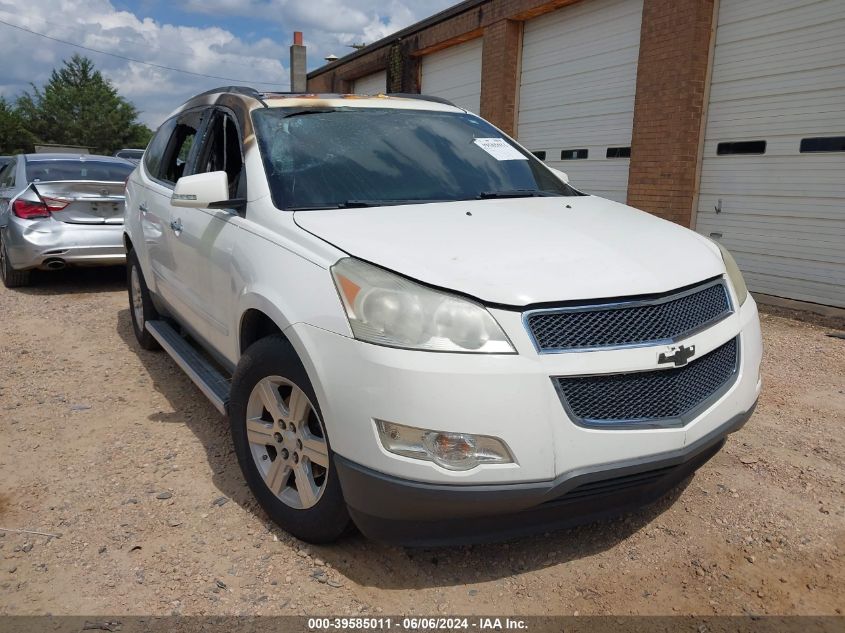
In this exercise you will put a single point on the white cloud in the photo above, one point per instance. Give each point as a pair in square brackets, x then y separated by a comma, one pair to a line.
[329, 26]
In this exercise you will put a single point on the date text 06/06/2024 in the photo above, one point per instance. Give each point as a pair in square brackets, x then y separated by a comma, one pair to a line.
[416, 624]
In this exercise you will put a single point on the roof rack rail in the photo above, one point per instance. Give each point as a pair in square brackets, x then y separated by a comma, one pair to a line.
[241, 90]
[411, 95]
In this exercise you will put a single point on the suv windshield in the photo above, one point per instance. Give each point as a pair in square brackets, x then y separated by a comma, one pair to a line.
[355, 157]
[74, 169]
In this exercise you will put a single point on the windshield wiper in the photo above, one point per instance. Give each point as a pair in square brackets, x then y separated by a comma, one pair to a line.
[314, 207]
[311, 111]
[350, 204]
[358, 204]
[516, 193]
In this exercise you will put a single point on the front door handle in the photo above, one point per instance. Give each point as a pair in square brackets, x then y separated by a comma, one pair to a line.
[142, 207]
[176, 225]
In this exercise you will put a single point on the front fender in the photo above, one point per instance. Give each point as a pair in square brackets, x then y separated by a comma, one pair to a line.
[259, 299]
[273, 272]
[320, 307]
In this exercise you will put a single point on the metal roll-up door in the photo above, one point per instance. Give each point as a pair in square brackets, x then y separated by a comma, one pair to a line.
[371, 84]
[577, 88]
[773, 170]
[455, 74]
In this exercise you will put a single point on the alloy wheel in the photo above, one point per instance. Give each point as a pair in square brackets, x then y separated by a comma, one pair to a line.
[288, 442]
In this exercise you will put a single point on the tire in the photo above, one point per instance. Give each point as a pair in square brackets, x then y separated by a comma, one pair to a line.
[280, 441]
[11, 278]
[141, 308]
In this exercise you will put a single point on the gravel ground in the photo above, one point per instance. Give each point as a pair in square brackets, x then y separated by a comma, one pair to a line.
[114, 449]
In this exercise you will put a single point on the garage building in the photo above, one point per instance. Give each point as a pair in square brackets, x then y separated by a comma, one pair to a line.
[727, 116]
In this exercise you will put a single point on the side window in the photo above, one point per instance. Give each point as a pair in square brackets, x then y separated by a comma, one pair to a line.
[741, 147]
[7, 175]
[618, 152]
[222, 151]
[155, 150]
[179, 148]
[574, 154]
[170, 149]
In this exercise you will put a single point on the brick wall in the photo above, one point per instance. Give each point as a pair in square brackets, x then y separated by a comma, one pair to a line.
[669, 107]
[460, 28]
[395, 64]
[500, 73]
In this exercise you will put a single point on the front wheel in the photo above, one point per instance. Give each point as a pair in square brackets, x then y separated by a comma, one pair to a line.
[282, 445]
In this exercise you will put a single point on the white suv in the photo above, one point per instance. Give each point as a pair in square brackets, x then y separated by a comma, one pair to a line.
[417, 327]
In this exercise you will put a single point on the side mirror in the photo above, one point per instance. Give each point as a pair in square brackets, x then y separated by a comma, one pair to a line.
[560, 174]
[204, 191]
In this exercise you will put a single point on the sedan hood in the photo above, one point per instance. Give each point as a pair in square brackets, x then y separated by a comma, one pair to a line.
[523, 251]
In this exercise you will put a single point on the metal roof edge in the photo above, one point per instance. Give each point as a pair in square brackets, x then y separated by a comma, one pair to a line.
[398, 35]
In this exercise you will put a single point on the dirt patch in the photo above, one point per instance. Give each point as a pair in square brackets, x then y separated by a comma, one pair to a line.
[833, 319]
[115, 449]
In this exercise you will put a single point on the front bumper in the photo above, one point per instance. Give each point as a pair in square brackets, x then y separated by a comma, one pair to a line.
[511, 397]
[405, 512]
[30, 244]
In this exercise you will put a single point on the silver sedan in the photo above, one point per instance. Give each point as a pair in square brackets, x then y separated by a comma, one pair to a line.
[60, 210]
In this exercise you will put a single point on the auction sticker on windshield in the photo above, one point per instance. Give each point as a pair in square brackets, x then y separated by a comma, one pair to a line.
[499, 149]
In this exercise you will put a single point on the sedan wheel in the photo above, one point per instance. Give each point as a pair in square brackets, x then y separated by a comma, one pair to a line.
[11, 278]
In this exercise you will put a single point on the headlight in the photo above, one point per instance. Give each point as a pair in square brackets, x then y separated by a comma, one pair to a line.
[387, 309]
[455, 451]
[734, 274]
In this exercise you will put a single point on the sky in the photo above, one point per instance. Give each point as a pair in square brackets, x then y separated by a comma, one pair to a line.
[240, 41]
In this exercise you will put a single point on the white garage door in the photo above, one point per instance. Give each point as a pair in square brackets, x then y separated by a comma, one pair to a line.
[576, 101]
[774, 153]
[455, 74]
[371, 84]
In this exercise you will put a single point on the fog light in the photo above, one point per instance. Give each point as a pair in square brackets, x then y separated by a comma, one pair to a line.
[455, 451]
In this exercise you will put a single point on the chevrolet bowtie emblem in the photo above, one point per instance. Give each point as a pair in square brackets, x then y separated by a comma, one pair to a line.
[678, 355]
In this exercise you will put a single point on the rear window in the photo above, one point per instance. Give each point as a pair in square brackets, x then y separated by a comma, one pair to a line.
[45, 170]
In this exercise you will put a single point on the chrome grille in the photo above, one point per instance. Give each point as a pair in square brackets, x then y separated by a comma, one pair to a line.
[663, 319]
[666, 397]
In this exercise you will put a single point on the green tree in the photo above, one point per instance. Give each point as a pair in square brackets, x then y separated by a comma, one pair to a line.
[78, 106]
[14, 136]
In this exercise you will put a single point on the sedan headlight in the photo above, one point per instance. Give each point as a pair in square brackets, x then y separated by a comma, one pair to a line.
[734, 274]
[454, 451]
[387, 309]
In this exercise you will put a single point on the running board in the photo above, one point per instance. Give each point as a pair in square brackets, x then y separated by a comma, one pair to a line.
[211, 382]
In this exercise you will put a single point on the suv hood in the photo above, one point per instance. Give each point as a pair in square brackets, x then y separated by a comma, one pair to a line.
[522, 251]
